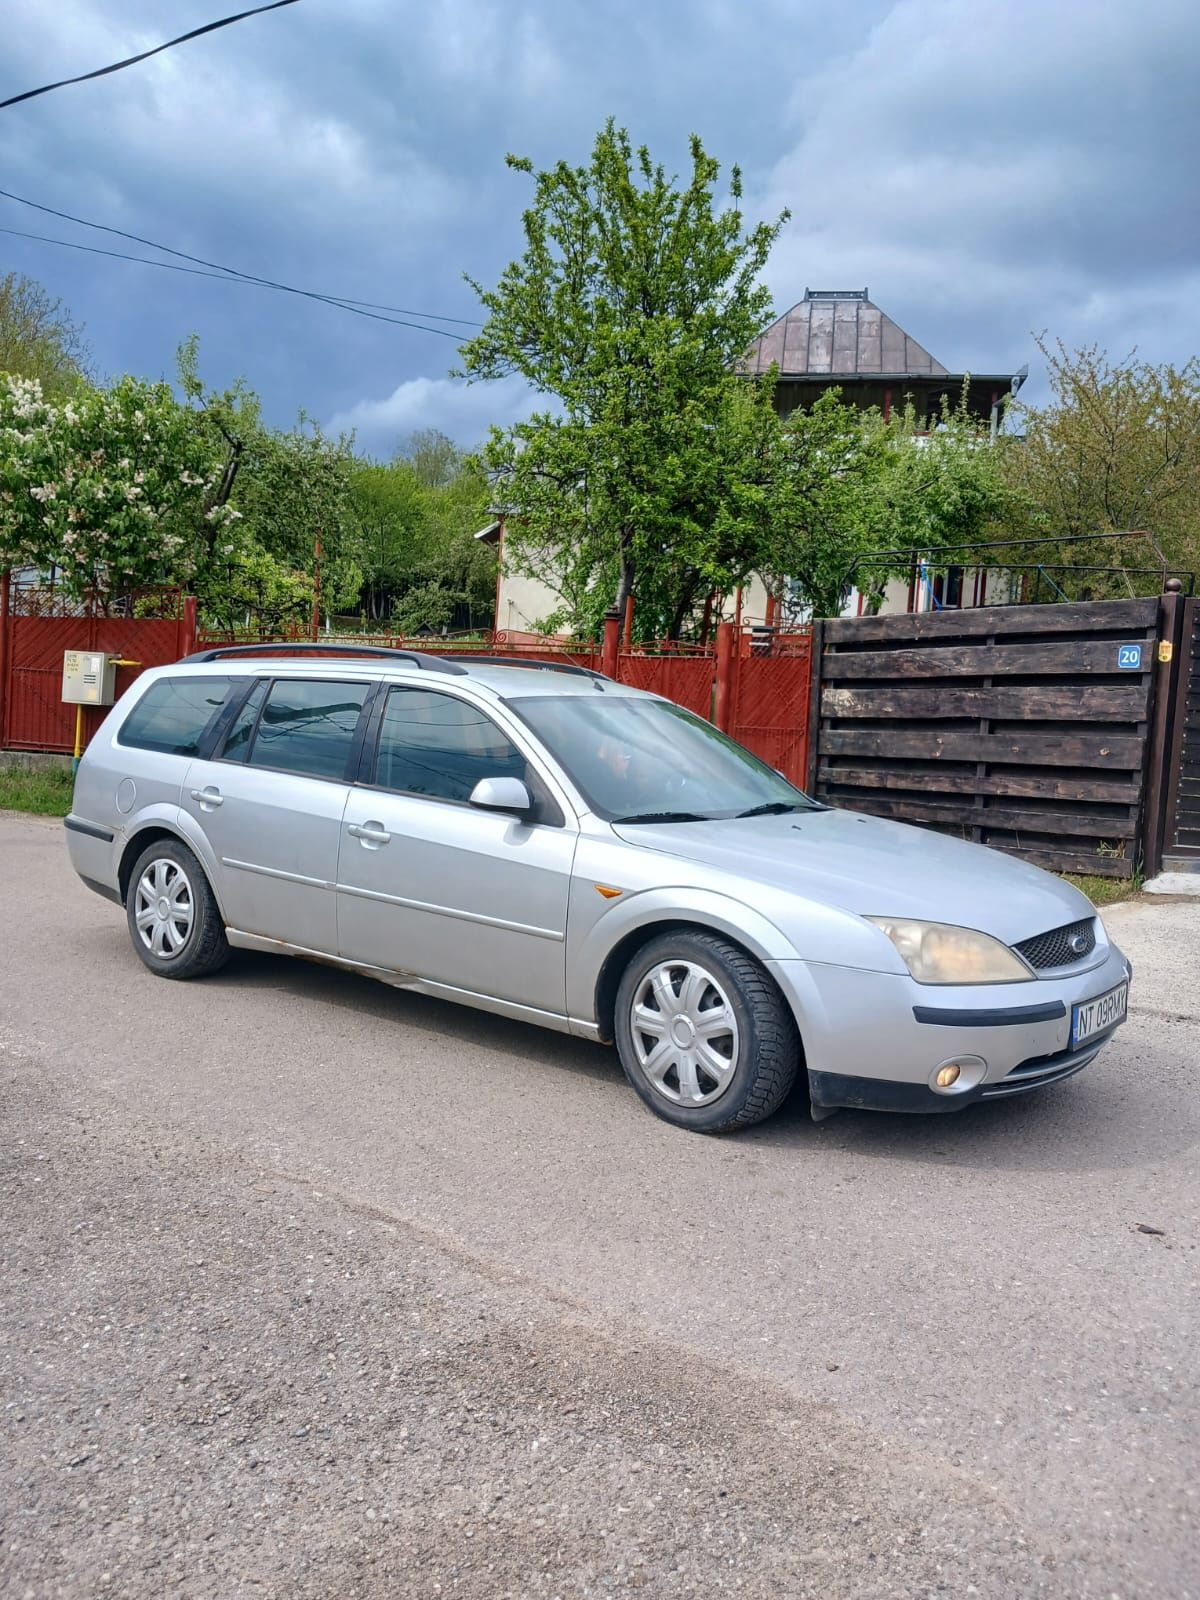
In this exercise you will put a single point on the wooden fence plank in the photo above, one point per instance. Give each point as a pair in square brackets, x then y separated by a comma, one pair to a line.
[1026, 749]
[1041, 787]
[1132, 616]
[964, 813]
[1092, 702]
[1096, 865]
[1064, 658]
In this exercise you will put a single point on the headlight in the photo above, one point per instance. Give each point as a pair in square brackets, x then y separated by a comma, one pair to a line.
[934, 952]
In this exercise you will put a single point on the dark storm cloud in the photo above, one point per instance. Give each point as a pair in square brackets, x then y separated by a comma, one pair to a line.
[985, 169]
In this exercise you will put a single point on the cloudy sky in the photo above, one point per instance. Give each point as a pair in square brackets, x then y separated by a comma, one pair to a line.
[987, 167]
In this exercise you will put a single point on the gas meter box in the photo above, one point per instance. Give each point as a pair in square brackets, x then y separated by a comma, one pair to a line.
[89, 678]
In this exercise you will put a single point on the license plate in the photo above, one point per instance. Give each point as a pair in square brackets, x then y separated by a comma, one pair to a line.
[1091, 1017]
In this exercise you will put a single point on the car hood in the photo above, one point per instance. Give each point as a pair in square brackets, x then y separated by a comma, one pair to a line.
[875, 868]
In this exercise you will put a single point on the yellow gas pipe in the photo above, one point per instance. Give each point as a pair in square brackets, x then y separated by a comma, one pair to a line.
[79, 722]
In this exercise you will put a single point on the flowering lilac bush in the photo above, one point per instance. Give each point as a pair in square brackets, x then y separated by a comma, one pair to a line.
[115, 487]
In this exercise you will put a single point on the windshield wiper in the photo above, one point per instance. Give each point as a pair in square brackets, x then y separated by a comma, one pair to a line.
[664, 816]
[772, 808]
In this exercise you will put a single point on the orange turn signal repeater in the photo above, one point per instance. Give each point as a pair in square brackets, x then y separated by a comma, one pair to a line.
[607, 890]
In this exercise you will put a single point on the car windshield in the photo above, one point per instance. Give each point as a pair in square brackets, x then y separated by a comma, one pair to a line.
[639, 760]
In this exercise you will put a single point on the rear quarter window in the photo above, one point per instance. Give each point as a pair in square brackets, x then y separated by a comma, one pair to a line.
[174, 714]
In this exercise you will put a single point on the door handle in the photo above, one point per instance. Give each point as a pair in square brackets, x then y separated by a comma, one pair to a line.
[208, 799]
[371, 833]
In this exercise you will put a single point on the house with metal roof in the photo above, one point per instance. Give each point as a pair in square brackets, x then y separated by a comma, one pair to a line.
[839, 338]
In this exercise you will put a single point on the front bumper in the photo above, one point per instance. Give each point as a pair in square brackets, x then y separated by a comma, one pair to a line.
[874, 1039]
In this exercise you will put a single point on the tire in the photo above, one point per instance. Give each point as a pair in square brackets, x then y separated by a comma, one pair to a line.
[181, 933]
[744, 1048]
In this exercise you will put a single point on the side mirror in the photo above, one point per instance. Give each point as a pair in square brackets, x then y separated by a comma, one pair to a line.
[502, 794]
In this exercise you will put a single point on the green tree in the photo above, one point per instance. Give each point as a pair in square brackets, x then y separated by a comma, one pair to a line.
[388, 507]
[416, 518]
[435, 460]
[113, 487]
[628, 310]
[826, 501]
[1116, 449]
[38, 338]
[251, 588]
[847, 485]
[295, 494]
[291, 490]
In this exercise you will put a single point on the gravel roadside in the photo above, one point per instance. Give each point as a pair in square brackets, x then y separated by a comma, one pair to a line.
[222, 1381]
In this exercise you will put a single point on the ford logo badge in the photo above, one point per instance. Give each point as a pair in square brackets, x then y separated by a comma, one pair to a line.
[1078, 943]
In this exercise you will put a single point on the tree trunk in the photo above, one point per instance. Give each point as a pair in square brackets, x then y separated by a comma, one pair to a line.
[224, 489]
[683, 608]
[625, 581]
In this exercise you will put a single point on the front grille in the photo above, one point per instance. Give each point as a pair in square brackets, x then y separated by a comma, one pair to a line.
[1055, 949]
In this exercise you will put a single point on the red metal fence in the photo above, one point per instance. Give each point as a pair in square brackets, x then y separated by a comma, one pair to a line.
[36, 631]
[769, 712]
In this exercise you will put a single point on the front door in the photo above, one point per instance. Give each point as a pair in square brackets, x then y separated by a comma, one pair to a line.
[271, 802]
[435, 887]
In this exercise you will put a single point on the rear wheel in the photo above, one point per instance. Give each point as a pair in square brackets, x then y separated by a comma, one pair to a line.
[173, 918]
[704, 1035]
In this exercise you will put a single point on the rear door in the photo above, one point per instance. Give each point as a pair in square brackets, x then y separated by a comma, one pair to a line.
[430, 885]
[154, 744]
[271, 802]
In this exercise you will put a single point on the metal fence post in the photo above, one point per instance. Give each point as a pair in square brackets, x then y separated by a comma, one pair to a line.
[612, 645]
[5, 676]
[1159, 746]
[189, 629]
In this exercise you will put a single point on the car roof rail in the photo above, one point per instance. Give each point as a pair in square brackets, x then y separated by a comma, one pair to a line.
[417, 658]
[537, 666]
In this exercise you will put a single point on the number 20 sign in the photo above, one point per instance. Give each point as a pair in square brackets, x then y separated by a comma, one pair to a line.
[1129, 657]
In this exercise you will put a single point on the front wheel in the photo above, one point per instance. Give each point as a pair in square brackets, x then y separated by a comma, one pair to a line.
[173, 917]
[704, 1035]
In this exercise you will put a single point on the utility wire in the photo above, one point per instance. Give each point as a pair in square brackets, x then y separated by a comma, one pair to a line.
[222, 277]
[233, 272]
[132, 61]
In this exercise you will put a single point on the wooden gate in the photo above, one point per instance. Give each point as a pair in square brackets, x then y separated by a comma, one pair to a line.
[1181, 833]
[1023, 727]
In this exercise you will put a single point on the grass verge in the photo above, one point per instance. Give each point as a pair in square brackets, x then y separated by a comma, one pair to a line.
[1105, 891]
[45, 791]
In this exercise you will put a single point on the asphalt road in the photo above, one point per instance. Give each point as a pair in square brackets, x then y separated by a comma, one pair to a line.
[311, 1287]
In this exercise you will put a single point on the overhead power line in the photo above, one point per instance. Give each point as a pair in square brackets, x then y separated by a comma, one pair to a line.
[221, 277]
[231, 274]
[132, 61]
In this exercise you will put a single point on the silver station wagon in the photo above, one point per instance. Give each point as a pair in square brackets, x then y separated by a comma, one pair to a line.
[548, 845]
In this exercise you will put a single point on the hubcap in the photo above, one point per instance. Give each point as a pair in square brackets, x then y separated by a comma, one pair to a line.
[685, 1035]
[164, 908]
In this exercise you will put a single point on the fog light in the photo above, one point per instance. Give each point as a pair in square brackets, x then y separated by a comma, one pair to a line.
[958, 1075]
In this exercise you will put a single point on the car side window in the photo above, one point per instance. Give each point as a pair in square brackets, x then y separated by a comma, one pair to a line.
[238, 739]
[174, 714]
[439, 747]
[308, 726]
